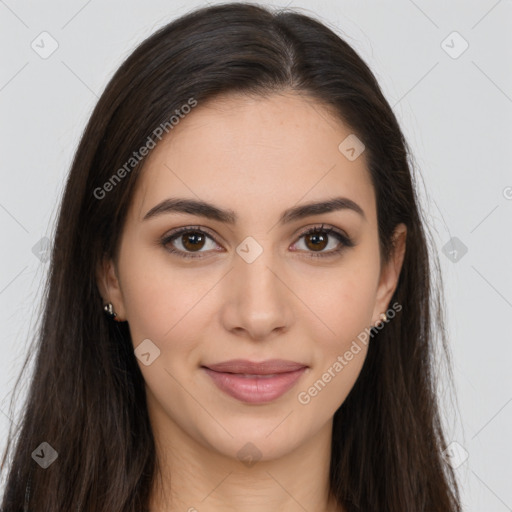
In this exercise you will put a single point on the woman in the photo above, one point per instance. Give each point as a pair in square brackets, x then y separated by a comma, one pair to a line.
[239, 303]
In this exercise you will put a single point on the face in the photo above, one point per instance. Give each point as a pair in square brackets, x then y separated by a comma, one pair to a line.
[255, 286]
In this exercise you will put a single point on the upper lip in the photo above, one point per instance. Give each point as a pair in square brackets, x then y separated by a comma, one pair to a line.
[245, 366]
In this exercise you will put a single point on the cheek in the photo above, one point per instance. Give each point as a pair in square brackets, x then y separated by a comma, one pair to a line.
[345, 307]
[355, 306]
[342, 302]
[158, 297]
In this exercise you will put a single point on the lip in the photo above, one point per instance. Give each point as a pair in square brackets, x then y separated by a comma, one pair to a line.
[268, 367]
[255, 382]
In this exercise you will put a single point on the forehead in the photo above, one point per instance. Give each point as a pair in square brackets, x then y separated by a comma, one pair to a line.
[255, 154]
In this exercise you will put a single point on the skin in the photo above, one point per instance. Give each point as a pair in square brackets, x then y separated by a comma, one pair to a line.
[258, 157]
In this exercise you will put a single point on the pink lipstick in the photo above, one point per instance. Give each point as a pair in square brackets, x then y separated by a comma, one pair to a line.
[255, 382]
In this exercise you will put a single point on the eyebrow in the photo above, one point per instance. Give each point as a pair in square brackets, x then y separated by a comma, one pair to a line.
[210, 211]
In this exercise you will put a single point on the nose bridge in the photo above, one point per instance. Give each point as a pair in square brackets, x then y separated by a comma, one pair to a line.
[253, 267]
[259, 301]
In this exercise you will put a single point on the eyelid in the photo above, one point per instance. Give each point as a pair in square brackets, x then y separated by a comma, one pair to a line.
[186, 229]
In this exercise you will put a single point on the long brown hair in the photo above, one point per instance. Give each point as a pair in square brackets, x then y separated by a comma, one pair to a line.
[86, 397]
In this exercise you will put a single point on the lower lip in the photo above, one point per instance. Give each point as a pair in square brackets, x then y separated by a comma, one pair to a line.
[255, 390]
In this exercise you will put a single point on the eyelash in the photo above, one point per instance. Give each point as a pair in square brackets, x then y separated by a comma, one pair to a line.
[345, 241]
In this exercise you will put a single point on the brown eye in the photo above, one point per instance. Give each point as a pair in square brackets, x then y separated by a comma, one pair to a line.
[316, 241]
[187, 241]
[318, 238]
[193, 240]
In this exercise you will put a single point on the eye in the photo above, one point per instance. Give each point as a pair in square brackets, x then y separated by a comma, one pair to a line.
[318, 238]
[192, 239]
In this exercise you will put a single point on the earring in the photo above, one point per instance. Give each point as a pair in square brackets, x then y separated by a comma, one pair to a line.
[382, 318]
[109, 310]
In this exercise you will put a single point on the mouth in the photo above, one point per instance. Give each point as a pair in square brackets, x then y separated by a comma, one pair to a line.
[255, 383]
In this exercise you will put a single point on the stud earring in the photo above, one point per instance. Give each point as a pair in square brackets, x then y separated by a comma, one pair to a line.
[109, 310]
[382, 318]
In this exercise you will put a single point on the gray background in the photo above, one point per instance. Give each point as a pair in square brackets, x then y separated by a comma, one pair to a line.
[455, 111]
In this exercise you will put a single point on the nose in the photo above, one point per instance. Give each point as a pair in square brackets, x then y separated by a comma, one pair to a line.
[257, 303]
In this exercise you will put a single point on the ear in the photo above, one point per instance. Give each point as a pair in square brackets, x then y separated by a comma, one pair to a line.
[390, 272]
[109, 287]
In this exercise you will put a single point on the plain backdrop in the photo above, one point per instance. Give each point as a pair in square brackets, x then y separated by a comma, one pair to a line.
[446, 70]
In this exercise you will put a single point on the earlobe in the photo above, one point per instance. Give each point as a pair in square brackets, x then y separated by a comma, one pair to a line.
[109, 287]
[390, 272]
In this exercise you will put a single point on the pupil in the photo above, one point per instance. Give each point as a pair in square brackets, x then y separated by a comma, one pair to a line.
[317, 239]
[192, 240]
